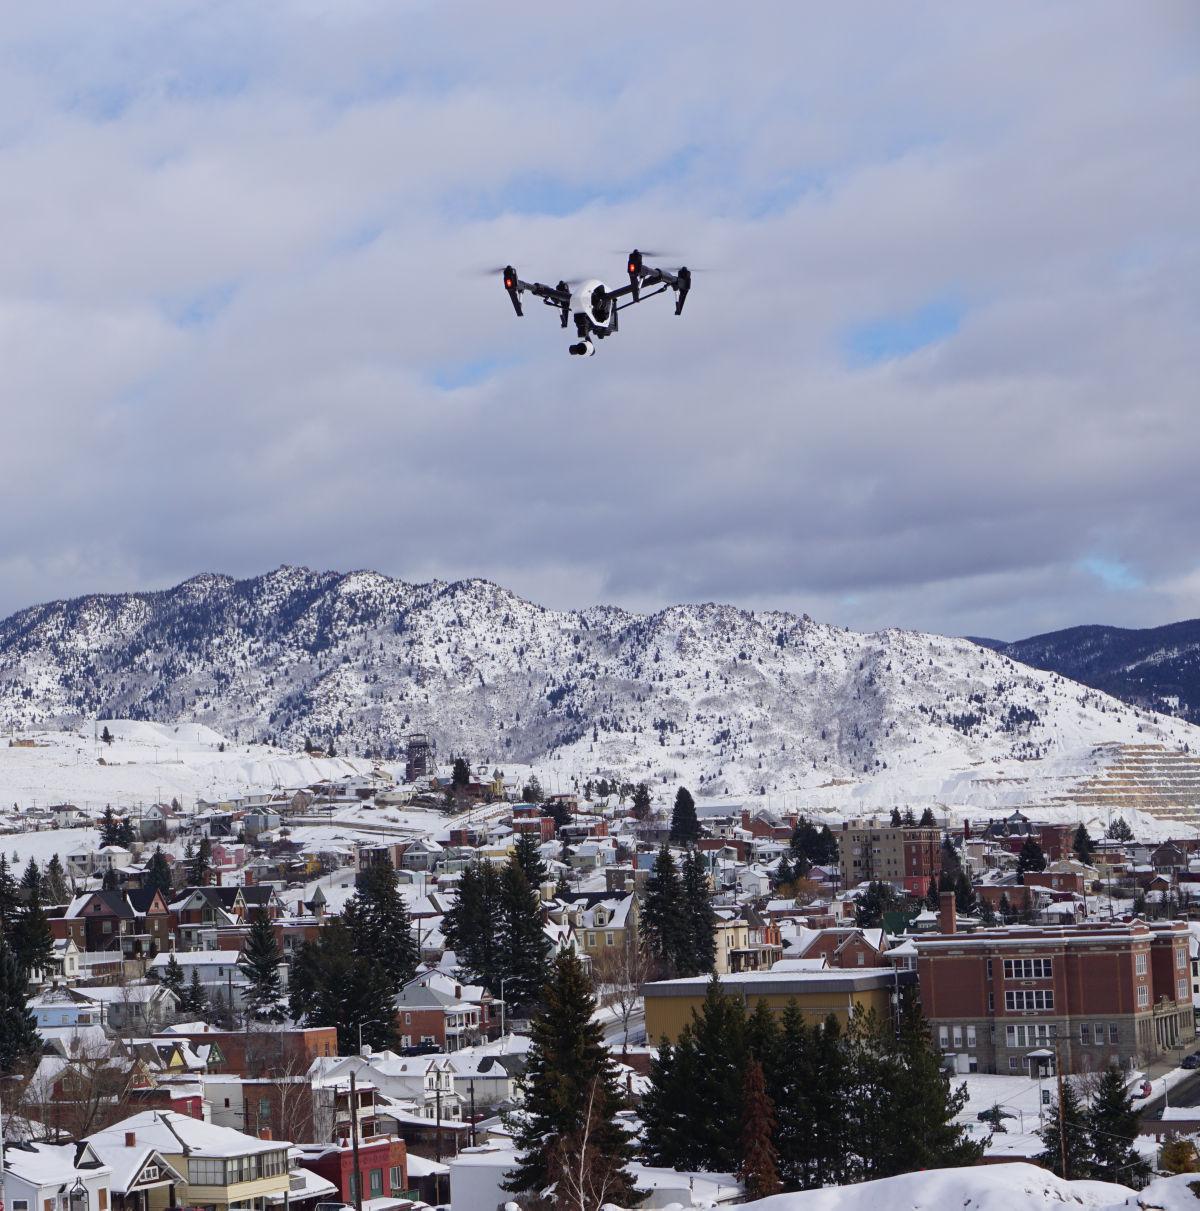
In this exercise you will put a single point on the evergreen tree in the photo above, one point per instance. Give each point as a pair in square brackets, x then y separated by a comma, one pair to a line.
[562, 889]
[527, 852]
[826, 848]
[172, 978]
[1078, 1145]
[933, 897]
[19, 1039]
[640, 807]
[661, 920]
[106, 735]
[1112, 1127]
[194, 1003]
[200, 870]
[700, 919]
[57, 891]
[910, 820]
[692, 1114]
[532, 792]
[928, 819]
[331, 985]
[124, 835]
[685, 826]
[259, 962]
[951, 866]
[1119, 830]
[460, 778]
[158, 872]
[110, 881]
[964, 895]
[873, 903]
[32, 941]
[922, 1105]
[1006, 910]
[791, 1081]
[759, 1162]
[832, 1128]
[8, 896]
[381, 925]
[569, 1083]
[470, 925]
[522, 947]
[31, 881]
[108, 826]
[1030, 857]
[984, 910]
[1083, 846]
[896, 820]
[219, 1012]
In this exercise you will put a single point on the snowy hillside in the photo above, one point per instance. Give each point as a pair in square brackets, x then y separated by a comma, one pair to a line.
[730, 701]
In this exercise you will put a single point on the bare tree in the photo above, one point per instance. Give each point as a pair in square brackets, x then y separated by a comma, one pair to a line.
[585, 1177]
[619, 973]
[87, 1091]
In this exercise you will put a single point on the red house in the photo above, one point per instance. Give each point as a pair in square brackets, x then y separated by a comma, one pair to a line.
[382, 1166]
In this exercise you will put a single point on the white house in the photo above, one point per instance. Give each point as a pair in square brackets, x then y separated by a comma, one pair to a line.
[54, 1177]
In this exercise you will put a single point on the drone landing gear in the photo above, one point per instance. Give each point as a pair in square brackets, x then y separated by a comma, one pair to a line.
[585, 348]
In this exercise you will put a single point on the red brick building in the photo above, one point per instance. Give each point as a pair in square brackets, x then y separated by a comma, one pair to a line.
[905, 856]
[382, 1166]
[282, 1050]
[1095, 993]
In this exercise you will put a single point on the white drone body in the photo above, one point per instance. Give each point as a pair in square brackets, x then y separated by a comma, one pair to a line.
[592, 306]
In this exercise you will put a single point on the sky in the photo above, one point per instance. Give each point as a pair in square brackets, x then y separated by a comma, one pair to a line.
[939, 367]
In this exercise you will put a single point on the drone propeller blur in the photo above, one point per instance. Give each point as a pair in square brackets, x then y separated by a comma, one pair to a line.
[594, 307]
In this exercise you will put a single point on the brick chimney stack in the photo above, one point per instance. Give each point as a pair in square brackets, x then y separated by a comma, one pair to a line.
[130, 1139]
[947, 913]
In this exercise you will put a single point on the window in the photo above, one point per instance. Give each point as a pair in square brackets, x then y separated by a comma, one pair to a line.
[943, 1036]
[1180, 958]
[396, 1177]
[608, 938]
[1139, 963]
[591, 939]
[206, 1171]
[862, 959]
[408, 1019]
[970, 1036]
[958, 1036]
[991, 1002]
[1014, 1063]
[1143, 998]
[1114, 1033]
[1085, 1034]
[1028, 969]
[989, 969]
[1029, 1001]
[1181, 990]
[264, 1108]
[20, 1204]
[1030, 1034]
[375, 1180]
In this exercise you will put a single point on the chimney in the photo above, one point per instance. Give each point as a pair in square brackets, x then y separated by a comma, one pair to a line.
[264, 1133]
[947, 913]
[130, 1139]
[966, 830]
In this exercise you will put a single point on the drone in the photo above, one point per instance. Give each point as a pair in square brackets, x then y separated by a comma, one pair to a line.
[593, 306]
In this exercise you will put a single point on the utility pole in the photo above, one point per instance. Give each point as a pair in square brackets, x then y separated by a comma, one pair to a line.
[354, 1142]
[1062, 1133]
[437, 1145]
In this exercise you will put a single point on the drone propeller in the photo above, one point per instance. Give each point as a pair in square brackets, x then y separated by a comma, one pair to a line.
[646, 252]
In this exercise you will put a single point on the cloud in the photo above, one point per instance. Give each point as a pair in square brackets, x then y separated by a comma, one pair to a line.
[940, 354]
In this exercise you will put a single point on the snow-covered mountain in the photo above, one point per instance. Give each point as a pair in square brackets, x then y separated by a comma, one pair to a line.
[731, 700]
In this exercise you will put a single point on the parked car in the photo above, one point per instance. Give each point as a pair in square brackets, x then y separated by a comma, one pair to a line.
[1191, 1061]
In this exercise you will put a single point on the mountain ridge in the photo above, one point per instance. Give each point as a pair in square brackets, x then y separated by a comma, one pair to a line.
[734, 700]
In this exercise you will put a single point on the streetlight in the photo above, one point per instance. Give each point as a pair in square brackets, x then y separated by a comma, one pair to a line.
[368, 1022]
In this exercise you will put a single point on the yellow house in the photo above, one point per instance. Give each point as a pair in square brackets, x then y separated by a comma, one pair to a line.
[669, 1003]
[221, 1168]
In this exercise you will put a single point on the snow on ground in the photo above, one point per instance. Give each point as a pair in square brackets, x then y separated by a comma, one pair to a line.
[149, 762]
[1008, 1187]
[18, 848]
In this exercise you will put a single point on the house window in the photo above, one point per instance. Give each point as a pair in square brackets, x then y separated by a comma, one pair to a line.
[591, 939]
[1114, 1032]
[943, 1036]
[1143, 997]
[264, 1108]
[207, 1171]
[1027, 1001]
[1014, 1063]
[375, 1178]
[1139, 964]
[396, 1177]
[1085, 1034]
[1180, 958]
[970, 1036]
[1181, 990]
[608, 938]
[1028, 969]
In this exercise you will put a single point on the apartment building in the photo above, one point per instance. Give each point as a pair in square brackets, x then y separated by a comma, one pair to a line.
[1094, 994]
[904, 856]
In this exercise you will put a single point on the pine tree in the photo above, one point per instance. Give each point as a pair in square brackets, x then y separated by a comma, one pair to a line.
[928, 819]
[260, 960]
[172, 978]
[1112, 1127]
[31, 880]
[878, 898]
[57, 891]
[1078, 1145]
[792, 1080]
[108, 826]
[382, 926]
[1119, 830]
[1083, 846]
[8, 896]
[640, 807]
[569, 1083]
[964, 895]
[896, 821]
[528, 854]
[833, 1130]
[700, 919]
[532, 791]
[661, 921]
[523, 949]
[470, 925]
[933, 897]
[194, 1004]
[110, 881]
[922, 1106]
[909, 819]
[106, 735]
[158, 872]
[124, 835]
[460, 777]
[1005, 908]
[32, 941]
[759, 1165]
[1030, 857]
[200, 870]
[562, 889]
[685, 826]
[19, 1039]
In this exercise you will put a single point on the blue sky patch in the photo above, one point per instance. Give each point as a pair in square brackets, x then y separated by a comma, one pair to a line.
[1112, 573]
[893, 336]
